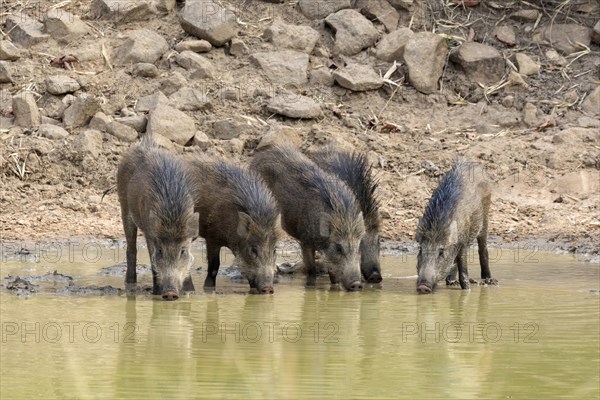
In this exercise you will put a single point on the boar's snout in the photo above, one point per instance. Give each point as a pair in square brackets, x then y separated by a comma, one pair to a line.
[354, 286]
[170, 295]
[423, 288]
[266, 290]
[375, 277]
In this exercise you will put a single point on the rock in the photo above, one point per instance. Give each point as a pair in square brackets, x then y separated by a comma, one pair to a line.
[121, 12]
[425, 56]
[8, 51]
[564, 37]
[80, 112]
[525, 15]
[148, 103]
[64, 26]
[530, 115]
[591, 104]
[321, 76]
[5, 75]
[61, 84]
[238, 48]
[380, 10]
[294, 106]
[24, 30]
[140, 45]
[171, 123]
[318, 9]
[353, 32]
[201, 66]
[230, 128]
[201, 140]
[197, 46]
[297, 37]
[145, 70]
[88, 142]
[234, 146]
[506, 34]
[52, 106]
[208, 20]
[173, 83]
[137, 122]
[555, 58]
[122, 132]
[52, 132]
[25, 110]
[595, 34]
[358, 77]
[391, 46]
[283, 67]
[280, 135]
[588, 122]
[526, 65]
[44, 120]
[99, 122]
[508, 101]
[480, 62]
[189, 99]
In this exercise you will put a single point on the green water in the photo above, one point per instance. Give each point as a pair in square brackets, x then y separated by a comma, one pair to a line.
[535, 336]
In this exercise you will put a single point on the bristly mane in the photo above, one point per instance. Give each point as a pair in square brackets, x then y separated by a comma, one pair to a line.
[442, 204]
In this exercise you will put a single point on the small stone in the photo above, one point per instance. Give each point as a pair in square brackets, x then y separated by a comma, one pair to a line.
[5, 75]
[353, 32]
[122, 12]
[64, 26]
[283, 67]
[280, 135]
[588, 122]
[555, 58]
[52, 132]
[425, 56]
[481, 63]
[525, 15]
[171, 123]
[238, 48]
[358, 77]
[80, 112]
[8, 51]
[565, 37]
[294, 106]
[595, 33]
[508, 101]
[208, 20]
[201, 140]
[230, 128]
[173, 83]
[88, 142]
[391, 47]
[380, 10]
[121, 131]
[145, 70]
[148, 103]
[140, 45]
[506, 34]
[99, 121]
[526, 65]
[321, 76]
[137, 122]
[591, 104]
[197, 46]
[61, 84]
[189, 99]
[234, 146]
[318, 9]
[24, 30]
[25, 110]
[201, 66]
[297, 37]
[530, 115]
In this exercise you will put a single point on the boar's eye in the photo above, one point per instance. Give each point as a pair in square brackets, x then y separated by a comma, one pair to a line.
[183, 253]
[339, 249]
[254, 251]
[158, 251]
[441, 254]
[274, 252]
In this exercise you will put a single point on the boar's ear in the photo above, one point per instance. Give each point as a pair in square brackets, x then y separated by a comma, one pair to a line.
[453, 233]
[244, 221]
[194, 225]
[324, 224]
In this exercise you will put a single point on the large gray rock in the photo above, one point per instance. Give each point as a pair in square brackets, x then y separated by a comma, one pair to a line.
[380, 10]
[425, 55]
[64, 26]
[297, 37]
[189, 99]
[195, 62]
[564, 37]
[283, 67]
[591, 104]
[318, 9]
[208, 20]
[481, 63]
[391, 46]
[294, 106]
[148, 103]
[121, 12]
[9, 51]
[25, 110]
[122, 131]
[52, 132]
[358, 77]
[61, 84]
[171, 123]
[137, 122]
[280, 135]
[139, 46]
[146, 70]
[353, 32]
[24, 30]
[88, 142]
[5, 75]
[230, 128]
[80, 112]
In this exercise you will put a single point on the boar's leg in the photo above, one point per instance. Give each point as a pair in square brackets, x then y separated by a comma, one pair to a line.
[188, 285]
[484, 260]
[463, 273]
[212, 251]
[155, 287]
[308, 257]
[131, 237]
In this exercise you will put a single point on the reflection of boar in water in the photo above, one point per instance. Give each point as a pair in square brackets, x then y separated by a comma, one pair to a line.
[319, 210]
[456, 214]
[355, 170]
[238, 211]
[155, 193]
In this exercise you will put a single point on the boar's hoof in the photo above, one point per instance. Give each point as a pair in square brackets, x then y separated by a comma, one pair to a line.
[355, 286]
[375, 277]
[489, 281]
[170, 295]
[266, 290]
[423, 289]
